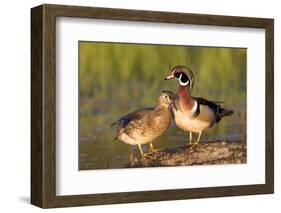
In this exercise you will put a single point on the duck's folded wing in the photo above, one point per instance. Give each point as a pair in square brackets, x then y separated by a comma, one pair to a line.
[134, 123]
[214, 106]
[133, 117]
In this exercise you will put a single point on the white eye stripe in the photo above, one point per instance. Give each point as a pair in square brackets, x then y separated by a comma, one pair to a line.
[180, 76]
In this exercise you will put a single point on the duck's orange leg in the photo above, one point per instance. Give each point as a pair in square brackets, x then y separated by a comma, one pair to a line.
[199, 136]
[139, 145]
[151, 147]
[190, 137]
[198, 139]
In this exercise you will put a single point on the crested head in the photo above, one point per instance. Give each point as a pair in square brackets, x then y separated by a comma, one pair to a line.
[183, 74]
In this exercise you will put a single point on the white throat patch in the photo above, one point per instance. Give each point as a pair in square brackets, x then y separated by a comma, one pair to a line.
[193, 110]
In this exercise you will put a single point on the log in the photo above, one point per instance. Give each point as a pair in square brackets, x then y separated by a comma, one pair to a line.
[205, 153]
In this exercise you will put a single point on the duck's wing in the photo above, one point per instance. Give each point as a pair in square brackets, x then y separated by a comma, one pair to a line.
[214, 106]
[133, 116]
[135, 123]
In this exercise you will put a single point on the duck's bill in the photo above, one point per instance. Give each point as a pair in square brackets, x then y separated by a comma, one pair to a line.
[170, 77]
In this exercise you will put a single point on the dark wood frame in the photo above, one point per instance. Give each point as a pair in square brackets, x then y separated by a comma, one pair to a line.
[43, 105]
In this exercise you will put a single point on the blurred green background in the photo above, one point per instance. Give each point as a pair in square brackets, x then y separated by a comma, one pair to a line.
[116, 79]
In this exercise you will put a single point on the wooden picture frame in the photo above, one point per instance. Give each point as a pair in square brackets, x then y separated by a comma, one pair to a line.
[43, 105]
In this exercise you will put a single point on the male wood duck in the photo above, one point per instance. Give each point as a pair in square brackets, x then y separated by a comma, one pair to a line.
[193, 114]
[145, 125]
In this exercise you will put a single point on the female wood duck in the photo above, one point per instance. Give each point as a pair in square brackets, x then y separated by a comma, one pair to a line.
[145, 125]
[193, 114]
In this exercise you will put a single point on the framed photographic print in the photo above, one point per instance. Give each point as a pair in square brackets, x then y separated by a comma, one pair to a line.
[136, 106]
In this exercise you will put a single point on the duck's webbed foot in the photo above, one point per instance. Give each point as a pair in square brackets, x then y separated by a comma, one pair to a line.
[142, 153]
[195, 143]
[147, 154]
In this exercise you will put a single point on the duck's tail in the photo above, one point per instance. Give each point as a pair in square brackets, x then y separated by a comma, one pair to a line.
[223, 112]
[226, 112]
[116, 137]
[113, 124]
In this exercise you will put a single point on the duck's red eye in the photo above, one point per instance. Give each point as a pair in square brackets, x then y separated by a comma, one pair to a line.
[177, 74]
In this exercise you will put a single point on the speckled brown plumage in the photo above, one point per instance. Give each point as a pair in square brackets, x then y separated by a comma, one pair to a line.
[145, 125]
